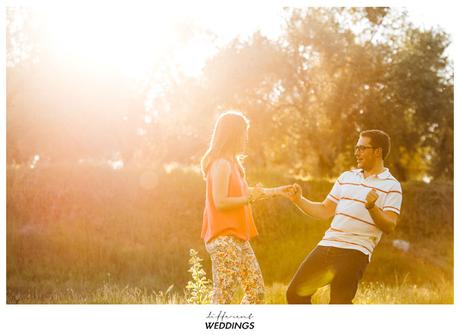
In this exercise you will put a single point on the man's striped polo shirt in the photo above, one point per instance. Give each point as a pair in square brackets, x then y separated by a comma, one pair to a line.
[353, 226]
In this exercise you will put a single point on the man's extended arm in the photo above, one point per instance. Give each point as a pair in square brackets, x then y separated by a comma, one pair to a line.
[319, 210]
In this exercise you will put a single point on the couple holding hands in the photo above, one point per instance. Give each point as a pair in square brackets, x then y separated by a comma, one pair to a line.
[363, 202]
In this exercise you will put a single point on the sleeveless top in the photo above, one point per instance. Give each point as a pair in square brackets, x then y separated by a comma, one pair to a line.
[237, 221]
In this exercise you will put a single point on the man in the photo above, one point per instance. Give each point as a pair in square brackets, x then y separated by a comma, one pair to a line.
[364, 203]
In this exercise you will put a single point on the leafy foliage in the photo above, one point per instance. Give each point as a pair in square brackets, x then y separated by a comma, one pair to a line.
[199, 289]
[332, 73]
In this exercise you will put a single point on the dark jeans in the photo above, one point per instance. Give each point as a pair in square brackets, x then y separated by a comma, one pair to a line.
[342, 268]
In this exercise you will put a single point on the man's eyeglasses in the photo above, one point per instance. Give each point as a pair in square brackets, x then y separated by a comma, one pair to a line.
[361, 148]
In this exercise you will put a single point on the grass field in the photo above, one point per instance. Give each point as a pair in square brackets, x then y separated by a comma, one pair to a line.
[368, 293]
[95, 235]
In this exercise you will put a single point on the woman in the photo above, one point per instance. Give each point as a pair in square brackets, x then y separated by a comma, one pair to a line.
[228, 224]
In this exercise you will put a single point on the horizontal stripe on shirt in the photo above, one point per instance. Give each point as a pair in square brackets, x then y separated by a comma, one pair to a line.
[355, 218]
[361, 201]
[374, 188]
[347, 232]
[345, 198]
[346, 242]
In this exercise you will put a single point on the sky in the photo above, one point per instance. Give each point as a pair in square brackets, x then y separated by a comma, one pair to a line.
[433, 16]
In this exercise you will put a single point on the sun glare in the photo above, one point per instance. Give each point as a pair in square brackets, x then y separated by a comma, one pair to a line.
[133, 39]
[130, 39]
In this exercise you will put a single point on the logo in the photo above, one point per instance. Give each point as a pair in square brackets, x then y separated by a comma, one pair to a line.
[223, 320]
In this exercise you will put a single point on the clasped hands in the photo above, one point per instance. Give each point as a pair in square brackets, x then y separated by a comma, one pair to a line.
[292, 192]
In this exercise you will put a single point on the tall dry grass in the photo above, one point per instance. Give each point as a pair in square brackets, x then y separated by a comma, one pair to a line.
[83, 233]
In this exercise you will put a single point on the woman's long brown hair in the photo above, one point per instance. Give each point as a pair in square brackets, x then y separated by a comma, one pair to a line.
[229, 132]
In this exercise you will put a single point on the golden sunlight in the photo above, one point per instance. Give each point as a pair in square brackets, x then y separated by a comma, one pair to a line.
[128, 39]
[112, 109]
[135, 39]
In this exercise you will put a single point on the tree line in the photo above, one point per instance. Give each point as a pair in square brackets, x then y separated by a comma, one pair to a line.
[331, 73]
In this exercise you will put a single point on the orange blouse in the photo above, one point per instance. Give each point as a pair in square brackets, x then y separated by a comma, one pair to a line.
[237, 221]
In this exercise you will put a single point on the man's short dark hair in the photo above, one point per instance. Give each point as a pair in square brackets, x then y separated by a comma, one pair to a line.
[379, 139]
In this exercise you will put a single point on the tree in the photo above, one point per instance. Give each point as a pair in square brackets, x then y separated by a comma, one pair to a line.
[333, 73]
